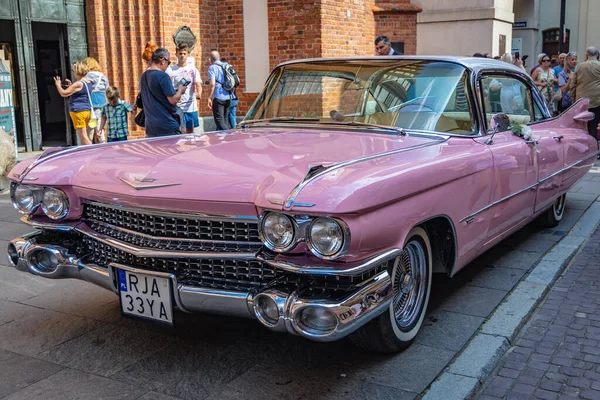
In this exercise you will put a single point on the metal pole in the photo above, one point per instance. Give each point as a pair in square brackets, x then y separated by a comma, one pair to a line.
[563, 28]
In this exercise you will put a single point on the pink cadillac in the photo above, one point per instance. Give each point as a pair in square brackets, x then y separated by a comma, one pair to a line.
[326, 212]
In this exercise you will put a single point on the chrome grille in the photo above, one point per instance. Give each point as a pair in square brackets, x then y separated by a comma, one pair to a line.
[173, 225]
[242, 275]
[171, 244]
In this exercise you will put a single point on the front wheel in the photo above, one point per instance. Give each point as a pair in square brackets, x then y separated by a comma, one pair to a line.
[554, 215]
[395, 329]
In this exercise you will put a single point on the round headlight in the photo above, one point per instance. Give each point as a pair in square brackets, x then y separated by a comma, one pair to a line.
[316, 320]
[326, 236]
[23, 199]
[54, 203]
[278, 231]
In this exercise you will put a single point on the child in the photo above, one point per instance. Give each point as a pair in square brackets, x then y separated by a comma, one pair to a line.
[115, 112]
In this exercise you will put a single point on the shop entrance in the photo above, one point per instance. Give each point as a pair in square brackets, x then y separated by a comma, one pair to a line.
[51, 59]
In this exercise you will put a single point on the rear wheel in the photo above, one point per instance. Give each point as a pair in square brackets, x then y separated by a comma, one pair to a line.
[554, 215]
[396, 328]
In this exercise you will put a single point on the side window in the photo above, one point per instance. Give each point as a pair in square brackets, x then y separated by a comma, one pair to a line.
[539, 115]
[503, 94]
[457, 117]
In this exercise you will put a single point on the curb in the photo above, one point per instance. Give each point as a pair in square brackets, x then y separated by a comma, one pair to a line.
[476, 361]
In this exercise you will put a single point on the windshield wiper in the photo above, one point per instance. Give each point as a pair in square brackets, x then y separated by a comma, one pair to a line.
[399, 131]
[278, 119]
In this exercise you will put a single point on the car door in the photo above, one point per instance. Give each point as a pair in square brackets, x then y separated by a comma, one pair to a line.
[551, 149]
[515, 160]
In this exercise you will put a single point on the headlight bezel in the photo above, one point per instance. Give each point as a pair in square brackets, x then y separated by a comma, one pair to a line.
[263, 236]
[66, 204]
[36, 192]
[302, 225]
[343, 248]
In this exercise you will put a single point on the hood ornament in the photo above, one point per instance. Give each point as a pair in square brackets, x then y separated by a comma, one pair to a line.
[137, 186]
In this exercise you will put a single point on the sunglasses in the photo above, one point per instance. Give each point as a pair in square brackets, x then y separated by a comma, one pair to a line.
[545, 60]
[167, 61]
[571, 54]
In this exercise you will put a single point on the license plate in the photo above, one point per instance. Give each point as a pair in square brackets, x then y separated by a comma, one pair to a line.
[145, 296]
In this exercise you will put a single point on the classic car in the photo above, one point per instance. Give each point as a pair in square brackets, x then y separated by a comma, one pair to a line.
[325, 212]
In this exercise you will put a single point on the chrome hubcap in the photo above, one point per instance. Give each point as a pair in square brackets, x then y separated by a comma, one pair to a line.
[410, 284]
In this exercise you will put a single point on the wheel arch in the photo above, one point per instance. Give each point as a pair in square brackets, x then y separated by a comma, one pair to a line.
[444, 244]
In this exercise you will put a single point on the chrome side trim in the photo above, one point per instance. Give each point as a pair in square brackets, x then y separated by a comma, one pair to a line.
[341, 270]
[167, 213]
[528, 187]
[289, 203]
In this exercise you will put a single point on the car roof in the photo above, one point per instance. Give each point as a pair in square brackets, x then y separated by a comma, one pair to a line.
[472, 63]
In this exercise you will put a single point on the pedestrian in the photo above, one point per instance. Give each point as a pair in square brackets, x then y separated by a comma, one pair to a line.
[179, 73]
[234, 103]
[561, 64]
[219, 99]
[585, 82]
[383, 47]
[508, 57]
[539, 62]
[114, 113]
[159, 98]
[564, 78]
[544, 79]
[99, 85]
[80, 108]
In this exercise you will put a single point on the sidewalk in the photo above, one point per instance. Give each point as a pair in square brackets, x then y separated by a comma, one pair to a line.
[557, 354]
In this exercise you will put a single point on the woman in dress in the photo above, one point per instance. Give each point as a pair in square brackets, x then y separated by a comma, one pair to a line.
[545, 80]
[80, 108]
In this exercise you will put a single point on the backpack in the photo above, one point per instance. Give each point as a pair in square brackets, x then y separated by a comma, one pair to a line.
[231, 80]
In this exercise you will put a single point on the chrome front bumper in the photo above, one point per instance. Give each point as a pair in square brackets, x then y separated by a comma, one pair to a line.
[350, 313]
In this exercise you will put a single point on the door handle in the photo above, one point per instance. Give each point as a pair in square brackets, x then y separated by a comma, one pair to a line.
[559, 138]
[531, 142]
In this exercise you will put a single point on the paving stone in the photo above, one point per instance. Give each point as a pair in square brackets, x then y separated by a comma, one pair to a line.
[107, 350]
[18, 371]
[72, 384]
[450, 330]
[41, 330]
[499, 278]
[475, 301]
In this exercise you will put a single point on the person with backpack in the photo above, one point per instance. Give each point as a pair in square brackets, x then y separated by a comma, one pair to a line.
[223, 81]
[231, 117]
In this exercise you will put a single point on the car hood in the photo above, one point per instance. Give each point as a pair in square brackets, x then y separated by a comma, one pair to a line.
[258, 165]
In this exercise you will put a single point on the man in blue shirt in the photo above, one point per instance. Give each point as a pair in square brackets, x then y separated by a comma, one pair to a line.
[159, 98]
[219, 99]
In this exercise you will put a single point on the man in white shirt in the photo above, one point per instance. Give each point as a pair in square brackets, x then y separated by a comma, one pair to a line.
[383, 47]
[181, 73]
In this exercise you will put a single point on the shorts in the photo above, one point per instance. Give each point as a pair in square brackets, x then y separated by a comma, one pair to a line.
[80, 118]
[191, 119]
[117, 139]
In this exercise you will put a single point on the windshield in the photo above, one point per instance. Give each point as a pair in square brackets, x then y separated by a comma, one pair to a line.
[409, 94]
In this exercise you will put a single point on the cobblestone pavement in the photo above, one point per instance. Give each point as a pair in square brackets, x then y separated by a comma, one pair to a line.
[63, 339]
[557, 354]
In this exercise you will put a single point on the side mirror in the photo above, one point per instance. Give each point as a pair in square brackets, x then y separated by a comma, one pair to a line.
[584, 116]
[498, 123]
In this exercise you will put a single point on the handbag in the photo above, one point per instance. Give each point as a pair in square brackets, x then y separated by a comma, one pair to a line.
[557, 96]
[93, 120]
[140, 118]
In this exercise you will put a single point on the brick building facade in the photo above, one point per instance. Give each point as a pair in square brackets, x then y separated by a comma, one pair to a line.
[118, 30]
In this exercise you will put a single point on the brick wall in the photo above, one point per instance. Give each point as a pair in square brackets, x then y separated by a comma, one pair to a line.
[348, 28]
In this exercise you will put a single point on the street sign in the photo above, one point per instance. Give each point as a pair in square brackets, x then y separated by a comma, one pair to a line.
[519, 24]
